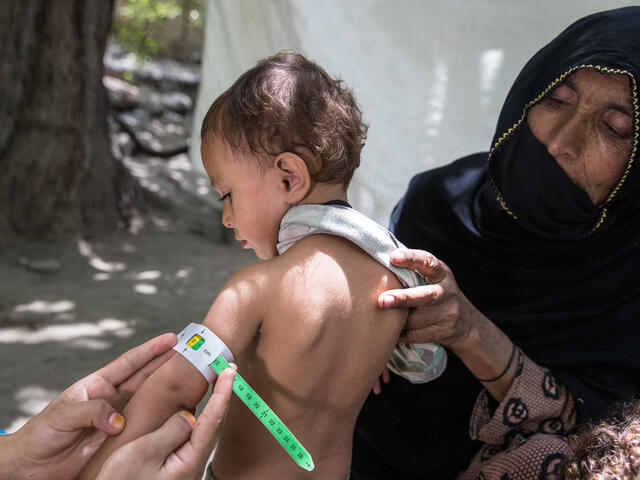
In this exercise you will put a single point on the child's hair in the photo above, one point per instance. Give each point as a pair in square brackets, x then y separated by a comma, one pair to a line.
[609, 449]
[288, 103]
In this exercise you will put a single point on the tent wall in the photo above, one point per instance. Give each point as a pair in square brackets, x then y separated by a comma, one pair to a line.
[430, 75]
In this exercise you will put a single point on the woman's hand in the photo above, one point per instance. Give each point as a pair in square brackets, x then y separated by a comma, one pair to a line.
[383, 378]
[57, 443]
[440, 312]
[178, 450]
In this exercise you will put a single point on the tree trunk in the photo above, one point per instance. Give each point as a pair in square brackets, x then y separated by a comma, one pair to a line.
[57, 174]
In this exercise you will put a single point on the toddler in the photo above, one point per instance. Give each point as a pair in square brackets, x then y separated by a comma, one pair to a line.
[280, 146]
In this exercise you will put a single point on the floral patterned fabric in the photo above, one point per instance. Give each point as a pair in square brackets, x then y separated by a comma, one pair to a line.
[525, 435]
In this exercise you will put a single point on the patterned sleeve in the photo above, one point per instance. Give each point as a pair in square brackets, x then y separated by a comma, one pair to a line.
[535, 403]
[524, 437]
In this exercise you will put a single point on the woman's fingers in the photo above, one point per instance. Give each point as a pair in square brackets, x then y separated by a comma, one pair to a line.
[426, 265]
[135, 359]
[426, 295]
[383, 378]
[92, 413]
[421, 261]
[417, 335]
[377, 389]
[159, 445]
[205, 432]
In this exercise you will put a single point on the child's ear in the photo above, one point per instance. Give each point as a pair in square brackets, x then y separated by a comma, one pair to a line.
[294, 176]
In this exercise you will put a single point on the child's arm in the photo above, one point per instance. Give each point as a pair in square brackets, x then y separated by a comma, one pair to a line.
[234, 317]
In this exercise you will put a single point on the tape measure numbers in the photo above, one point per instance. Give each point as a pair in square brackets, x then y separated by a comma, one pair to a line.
[267, 416]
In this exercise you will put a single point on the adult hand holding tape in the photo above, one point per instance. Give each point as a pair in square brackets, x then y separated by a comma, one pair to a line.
[179, 449]
[58, 442]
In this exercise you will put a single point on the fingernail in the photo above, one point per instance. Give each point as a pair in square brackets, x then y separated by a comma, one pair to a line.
[189, 416]
[387, 300]
[116, 421]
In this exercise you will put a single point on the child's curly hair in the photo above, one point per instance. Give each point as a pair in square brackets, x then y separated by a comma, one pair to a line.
[288, 103]
[609, 449]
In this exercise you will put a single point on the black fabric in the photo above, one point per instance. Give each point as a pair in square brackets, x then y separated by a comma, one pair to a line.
[562, 283]
[547, 203]
[340, 203]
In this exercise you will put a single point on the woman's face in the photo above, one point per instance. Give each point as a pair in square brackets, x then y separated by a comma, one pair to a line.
[585, 123]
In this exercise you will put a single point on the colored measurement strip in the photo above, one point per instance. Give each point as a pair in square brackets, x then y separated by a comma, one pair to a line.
[267, 416]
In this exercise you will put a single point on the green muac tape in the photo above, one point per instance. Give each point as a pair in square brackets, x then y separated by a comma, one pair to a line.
[267, 416]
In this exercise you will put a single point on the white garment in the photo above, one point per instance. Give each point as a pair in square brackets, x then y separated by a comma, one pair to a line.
[418, 362]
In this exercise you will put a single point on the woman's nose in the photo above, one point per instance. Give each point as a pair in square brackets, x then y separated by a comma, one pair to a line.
[567, 137]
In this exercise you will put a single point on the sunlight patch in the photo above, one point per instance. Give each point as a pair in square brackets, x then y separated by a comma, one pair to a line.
[96, 262]
[30, 400]
[184, 272]
[180, 162]
[145, 288]
[66, 332]
[491, 62]
[91, 344]
[42, 306]
[148, 275]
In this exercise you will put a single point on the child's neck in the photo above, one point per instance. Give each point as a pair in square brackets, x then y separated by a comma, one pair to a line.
[325, 192]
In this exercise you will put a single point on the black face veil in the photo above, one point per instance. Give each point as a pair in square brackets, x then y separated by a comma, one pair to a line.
[558, 274]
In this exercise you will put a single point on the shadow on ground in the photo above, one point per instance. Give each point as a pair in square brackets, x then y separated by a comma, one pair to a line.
[68, 308]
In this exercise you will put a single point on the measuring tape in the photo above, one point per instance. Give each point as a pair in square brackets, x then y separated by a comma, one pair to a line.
[199, 346]
[267, 416]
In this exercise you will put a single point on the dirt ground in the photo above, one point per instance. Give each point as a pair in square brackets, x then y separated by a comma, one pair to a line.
[68, 308]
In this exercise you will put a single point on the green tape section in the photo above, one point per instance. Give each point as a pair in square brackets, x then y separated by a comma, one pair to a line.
[267, 416]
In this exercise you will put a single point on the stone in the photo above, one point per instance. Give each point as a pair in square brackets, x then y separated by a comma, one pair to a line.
[44, 266]
[164, 136]
[122, 95]
[168, 75]
[177, 102]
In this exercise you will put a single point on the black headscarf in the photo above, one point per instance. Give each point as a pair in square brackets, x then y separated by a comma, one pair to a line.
[560, 276]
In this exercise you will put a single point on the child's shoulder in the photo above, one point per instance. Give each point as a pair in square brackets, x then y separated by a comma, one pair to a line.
[318, 269]
[308, 277]
[309, 260]
[330, 262]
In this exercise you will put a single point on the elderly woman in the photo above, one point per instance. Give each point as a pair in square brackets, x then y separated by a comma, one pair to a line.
[542, 234]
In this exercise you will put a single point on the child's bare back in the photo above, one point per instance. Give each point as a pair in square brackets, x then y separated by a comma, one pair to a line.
[322, 342]
[304, 326]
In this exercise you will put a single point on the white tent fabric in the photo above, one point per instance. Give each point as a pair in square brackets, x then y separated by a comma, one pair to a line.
[430, 75]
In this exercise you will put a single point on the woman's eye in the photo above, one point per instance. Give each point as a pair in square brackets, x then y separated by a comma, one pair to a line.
[617, 124]
[613, 132]
[225, 196]
[555, 101]
[561, 95]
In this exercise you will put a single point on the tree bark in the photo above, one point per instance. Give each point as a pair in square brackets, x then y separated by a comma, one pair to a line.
[57, 174]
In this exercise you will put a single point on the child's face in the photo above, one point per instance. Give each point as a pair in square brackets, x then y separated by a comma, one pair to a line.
[252, 196]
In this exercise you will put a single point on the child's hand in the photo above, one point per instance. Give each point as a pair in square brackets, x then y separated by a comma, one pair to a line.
[180, 448]
[377, 387]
